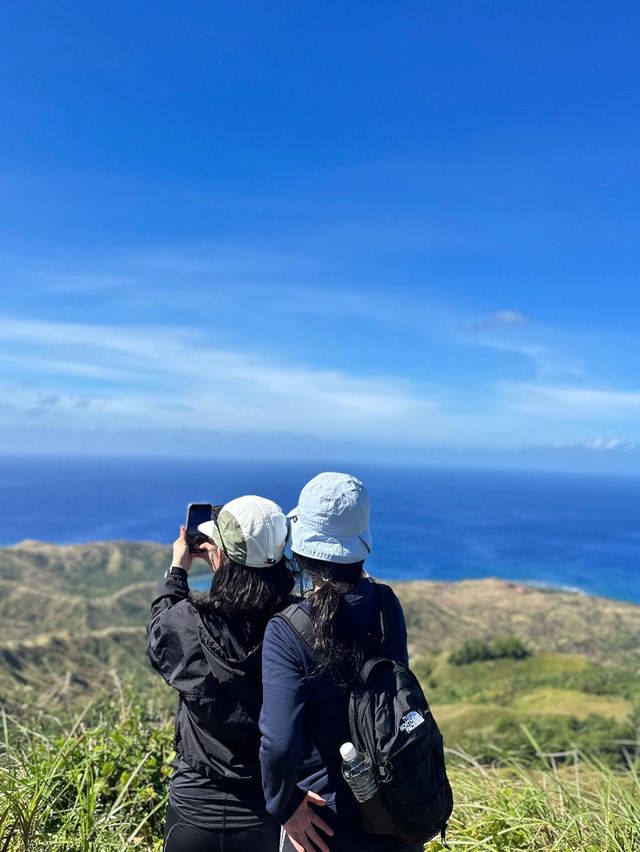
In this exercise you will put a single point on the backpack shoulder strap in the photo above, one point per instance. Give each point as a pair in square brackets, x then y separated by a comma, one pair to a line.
[386, 601]
[299, 621]
[369, 665]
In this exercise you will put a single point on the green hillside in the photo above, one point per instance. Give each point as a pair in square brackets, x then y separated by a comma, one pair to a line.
[72, 618]
[445, 615]
[72, 623]
[510, 672]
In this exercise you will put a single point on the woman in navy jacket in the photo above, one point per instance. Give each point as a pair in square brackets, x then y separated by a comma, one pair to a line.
[304, 718]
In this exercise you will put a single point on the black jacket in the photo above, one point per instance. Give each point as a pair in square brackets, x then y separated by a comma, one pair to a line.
[215, 665]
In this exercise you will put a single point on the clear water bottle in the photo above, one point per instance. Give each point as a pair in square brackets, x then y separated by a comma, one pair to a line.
[358, 772]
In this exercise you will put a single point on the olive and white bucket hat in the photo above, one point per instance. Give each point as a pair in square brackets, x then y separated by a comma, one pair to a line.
[251, 530]
[331, 520]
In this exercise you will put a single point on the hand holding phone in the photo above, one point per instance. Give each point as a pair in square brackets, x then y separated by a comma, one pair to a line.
[181, 557]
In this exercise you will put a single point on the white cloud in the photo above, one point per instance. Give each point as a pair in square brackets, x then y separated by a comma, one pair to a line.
[556, 401]
[601, 445]
[70, 283]
[168, 378]
[108, 377]
[510, 332]
[222, 261]
[496, 322]
[42, 366]
[607, 445]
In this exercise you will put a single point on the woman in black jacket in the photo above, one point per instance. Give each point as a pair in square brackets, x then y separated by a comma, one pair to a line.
[209, 649]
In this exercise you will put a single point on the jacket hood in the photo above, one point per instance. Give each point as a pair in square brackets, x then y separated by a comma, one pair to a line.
[234, 667]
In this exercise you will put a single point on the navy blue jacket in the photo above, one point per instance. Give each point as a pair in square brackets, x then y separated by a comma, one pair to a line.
[304, 718]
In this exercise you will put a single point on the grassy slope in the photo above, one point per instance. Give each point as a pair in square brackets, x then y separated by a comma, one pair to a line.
[72, 616]
[471, 699]
[103, 787]
[444, 615]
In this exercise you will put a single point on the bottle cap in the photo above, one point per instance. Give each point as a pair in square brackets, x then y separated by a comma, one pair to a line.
[348, 751]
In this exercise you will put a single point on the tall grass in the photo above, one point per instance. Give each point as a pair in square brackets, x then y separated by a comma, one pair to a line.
[101, 784]
[100, 787]
[584, 807]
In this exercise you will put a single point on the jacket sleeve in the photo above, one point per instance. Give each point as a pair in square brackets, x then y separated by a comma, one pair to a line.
[167, 630]
[285, 694]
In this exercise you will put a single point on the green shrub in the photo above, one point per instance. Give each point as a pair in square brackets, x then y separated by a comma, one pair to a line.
[599, 680]
[498, 648]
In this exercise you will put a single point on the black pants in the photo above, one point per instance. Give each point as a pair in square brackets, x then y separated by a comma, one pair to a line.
[349, 836]
[181, 836]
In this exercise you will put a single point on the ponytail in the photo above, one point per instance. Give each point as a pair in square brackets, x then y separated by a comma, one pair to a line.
[338, 651]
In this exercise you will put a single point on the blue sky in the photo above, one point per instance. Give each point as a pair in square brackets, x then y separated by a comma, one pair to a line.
[401, 231]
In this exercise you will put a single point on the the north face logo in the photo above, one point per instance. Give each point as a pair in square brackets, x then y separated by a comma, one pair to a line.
[411, 721]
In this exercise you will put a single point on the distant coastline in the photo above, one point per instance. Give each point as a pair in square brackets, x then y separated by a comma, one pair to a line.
[561, 531]
[201, 582]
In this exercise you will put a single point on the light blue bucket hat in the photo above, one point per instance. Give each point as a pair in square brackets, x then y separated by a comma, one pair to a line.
[331, 520]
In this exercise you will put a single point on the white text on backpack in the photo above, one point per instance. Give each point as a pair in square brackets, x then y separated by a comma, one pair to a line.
[411, 721]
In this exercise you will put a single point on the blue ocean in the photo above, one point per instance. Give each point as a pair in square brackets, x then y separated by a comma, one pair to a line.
[574, 531]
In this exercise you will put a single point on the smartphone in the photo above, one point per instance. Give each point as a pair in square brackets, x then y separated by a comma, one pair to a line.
[197, 513]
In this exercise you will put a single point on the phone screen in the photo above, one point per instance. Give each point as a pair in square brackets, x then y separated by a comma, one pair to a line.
[197, 513]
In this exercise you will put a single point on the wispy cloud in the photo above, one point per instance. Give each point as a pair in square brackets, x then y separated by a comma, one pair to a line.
[245, 340]
[224, 260]
[601, 445]
[109, 377]
[509, 331]
[29, 364]
[180, 382]
[555, 402]
[496, 322]
[71, 283]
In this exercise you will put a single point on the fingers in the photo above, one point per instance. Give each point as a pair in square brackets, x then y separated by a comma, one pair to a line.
[322, 825]
[315, 838]
[183, 532]
[315, 799]
[205, 551]
[316, 820]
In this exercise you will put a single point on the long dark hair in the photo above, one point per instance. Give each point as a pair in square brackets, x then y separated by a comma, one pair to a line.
[253, 593]
[340, 651]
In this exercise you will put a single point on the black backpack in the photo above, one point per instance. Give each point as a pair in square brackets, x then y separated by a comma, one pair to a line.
[390, 720]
